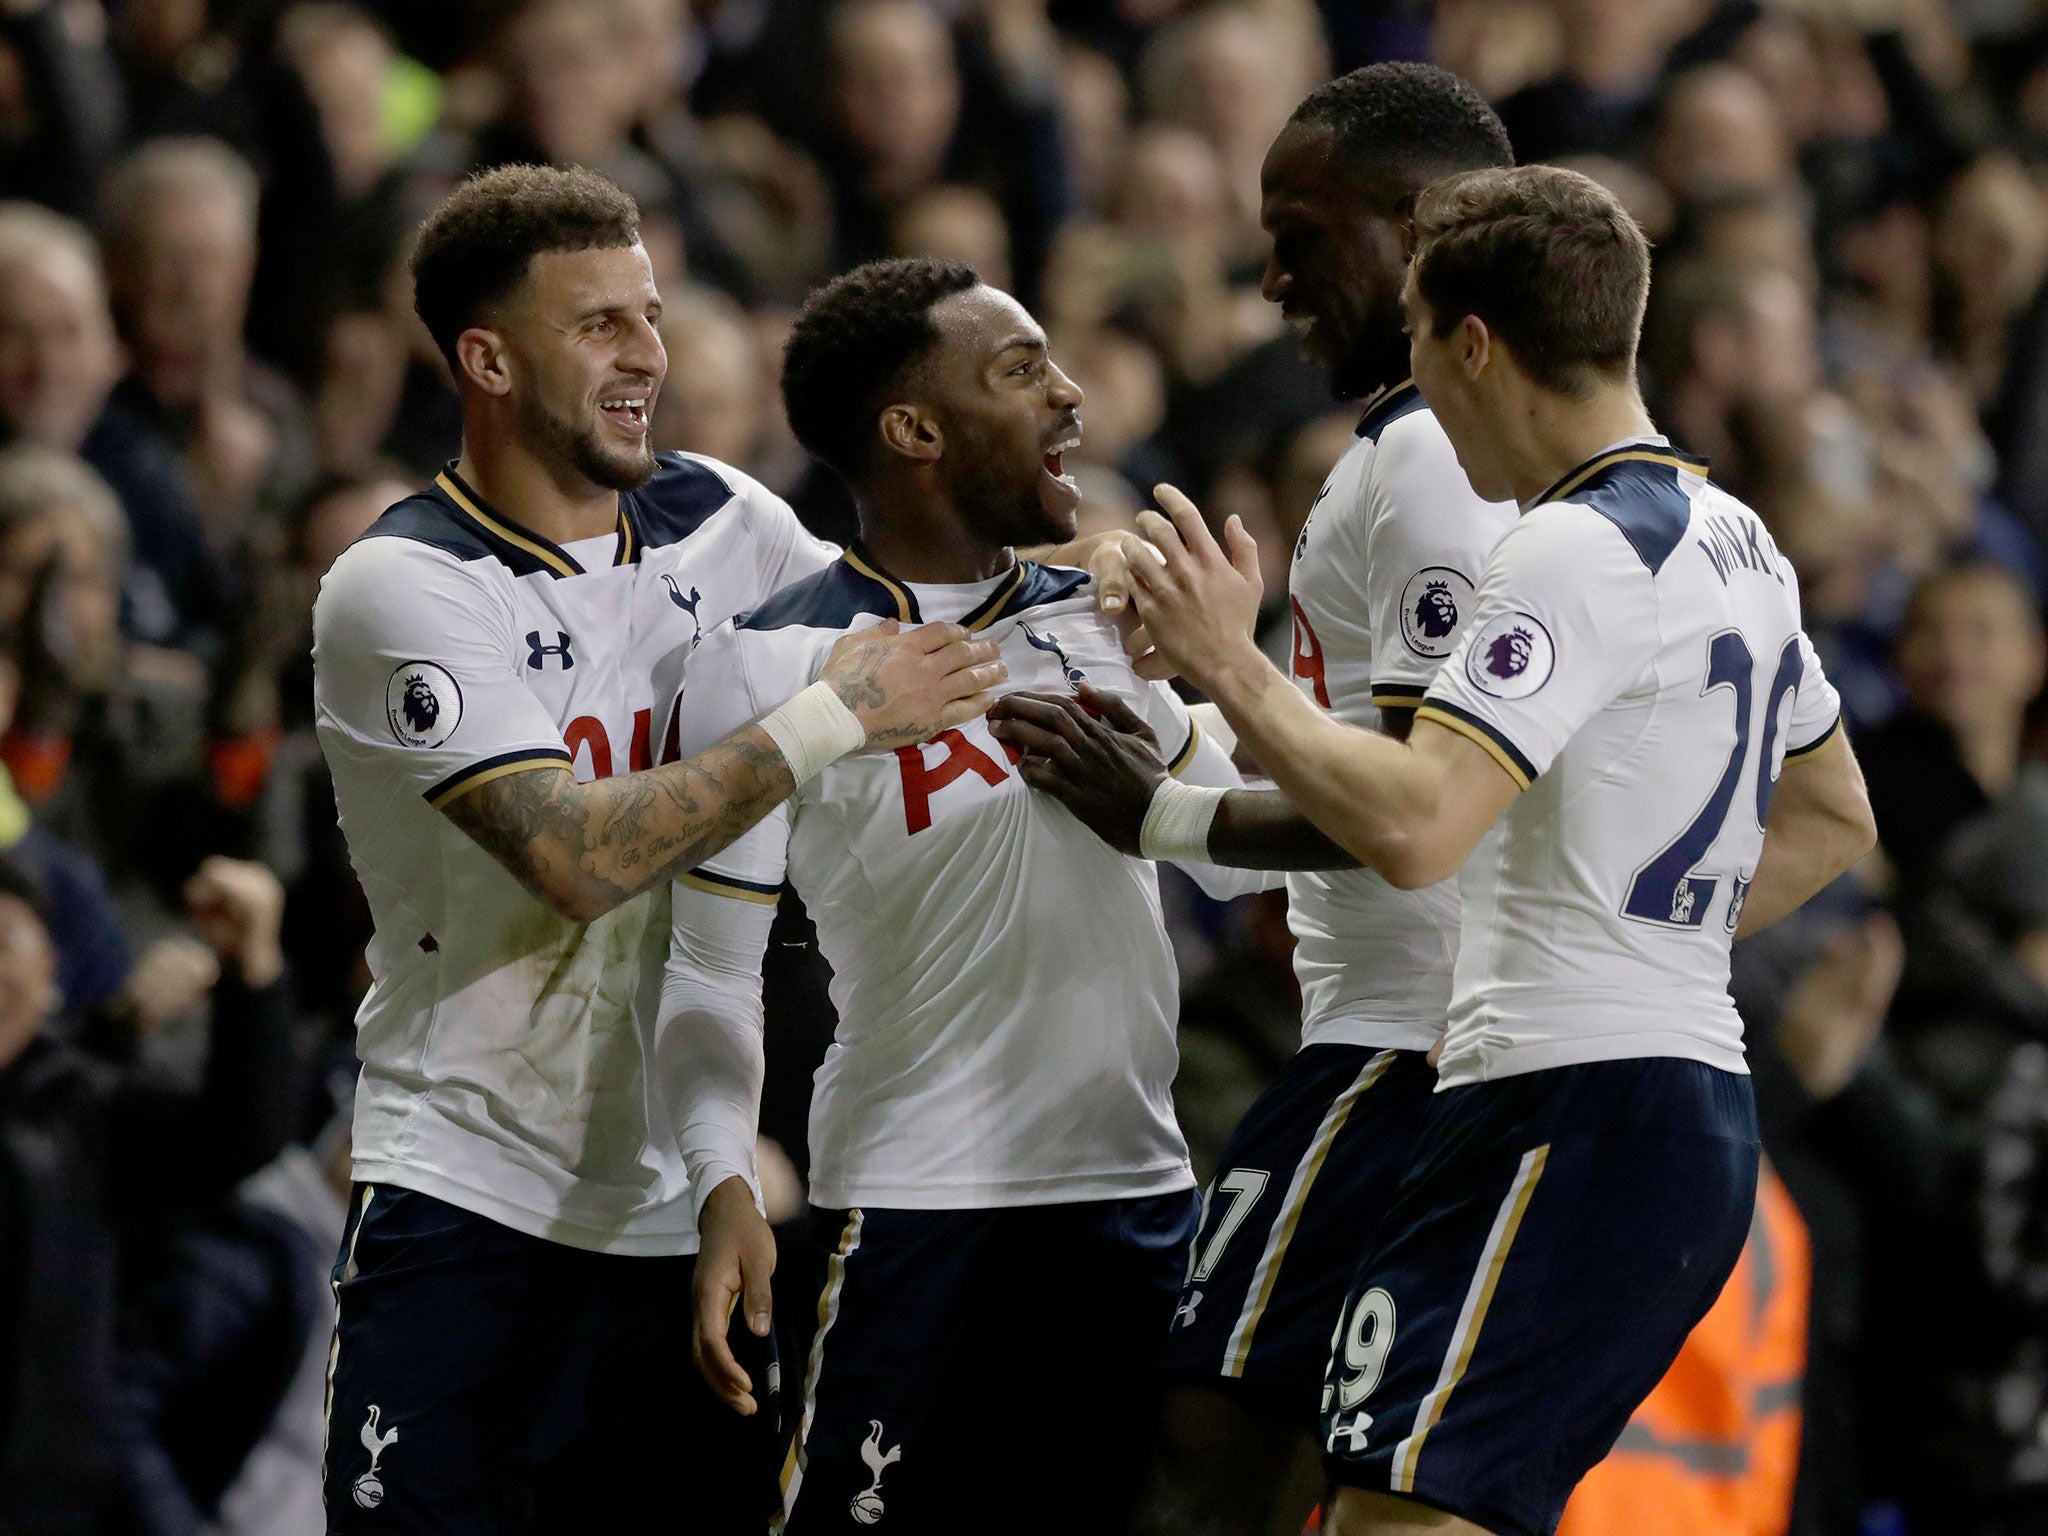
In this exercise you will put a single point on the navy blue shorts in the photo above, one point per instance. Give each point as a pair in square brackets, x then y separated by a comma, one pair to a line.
[485, 1382]
[1558, 1237]
[993, 1370]
[1310, 1169]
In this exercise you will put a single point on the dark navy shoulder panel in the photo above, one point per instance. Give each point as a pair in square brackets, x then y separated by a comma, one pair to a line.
[831, 599]
[1043, 584]
[1401, 400]
[680, 499]
[1642, 495]
[431, 518]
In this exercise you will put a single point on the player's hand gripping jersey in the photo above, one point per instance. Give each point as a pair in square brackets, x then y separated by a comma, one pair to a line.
[1381, 587]
[1006, 992]
[503, 1045]
[1635, 661]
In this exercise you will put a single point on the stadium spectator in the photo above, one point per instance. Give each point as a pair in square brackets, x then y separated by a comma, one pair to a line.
[59, 362]
[180, 219]
[1720, 135]
[895, 94]
[64, 117]
[719, 392]
[1971, 658]
[104, 743]
[901, 120]
[96, 1163]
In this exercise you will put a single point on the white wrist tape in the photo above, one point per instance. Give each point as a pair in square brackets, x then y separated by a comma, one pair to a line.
[1177, 821]
[814, 730]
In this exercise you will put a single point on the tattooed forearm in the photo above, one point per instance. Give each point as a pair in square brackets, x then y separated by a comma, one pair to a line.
[529, 822]
[584, 848]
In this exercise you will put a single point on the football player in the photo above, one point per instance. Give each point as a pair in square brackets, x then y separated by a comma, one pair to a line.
[509, 1353]
[1632, 707]
[1382, 582]
[996, 1171]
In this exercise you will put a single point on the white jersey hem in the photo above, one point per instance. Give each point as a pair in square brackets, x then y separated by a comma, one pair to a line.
[1380, 1034]
[1469, 1061]
[1051, 1189]
[558, 1228]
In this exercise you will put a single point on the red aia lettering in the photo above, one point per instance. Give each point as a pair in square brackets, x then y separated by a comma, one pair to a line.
[921, 782]
[588, 730]
[1308, 654]
[672, 738]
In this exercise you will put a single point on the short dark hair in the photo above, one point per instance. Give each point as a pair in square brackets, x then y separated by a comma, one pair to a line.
[1548, 258]
[852, 343]
[1410, 114]
[476, 245]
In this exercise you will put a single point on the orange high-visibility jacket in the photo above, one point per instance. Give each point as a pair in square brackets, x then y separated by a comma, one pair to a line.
[1714, 1449]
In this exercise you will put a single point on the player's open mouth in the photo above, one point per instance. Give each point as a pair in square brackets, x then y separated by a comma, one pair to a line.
[1054, 458]
[628, 412]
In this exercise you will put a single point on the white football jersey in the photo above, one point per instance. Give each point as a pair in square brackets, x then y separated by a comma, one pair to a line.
[1006, 992]
[1383, 577]
[503, 1045]
[1635, 661]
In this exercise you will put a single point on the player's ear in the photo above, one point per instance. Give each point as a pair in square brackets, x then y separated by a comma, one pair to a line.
[1403, 220]
[911, 432]
[480, 356]
[1474, 346]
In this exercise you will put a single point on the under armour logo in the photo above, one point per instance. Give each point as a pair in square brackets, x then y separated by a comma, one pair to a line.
[1350, 1428]
[1185, 1312]
[369, 1488]
[540, 653]
[687, 604]
[867, 1505]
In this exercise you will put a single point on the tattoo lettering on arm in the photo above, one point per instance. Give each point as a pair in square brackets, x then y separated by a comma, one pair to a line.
[585, 848]
[522, 819]
[862, 688]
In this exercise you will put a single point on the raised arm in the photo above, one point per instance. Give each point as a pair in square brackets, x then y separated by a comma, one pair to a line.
[1411, 810]
[1818, 826]
[585, 848]
[1107, 769]
[423, 684]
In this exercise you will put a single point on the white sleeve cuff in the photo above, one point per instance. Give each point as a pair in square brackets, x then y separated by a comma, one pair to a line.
[707, 1176]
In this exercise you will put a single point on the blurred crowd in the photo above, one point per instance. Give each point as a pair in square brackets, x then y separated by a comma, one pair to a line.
[211, 381]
